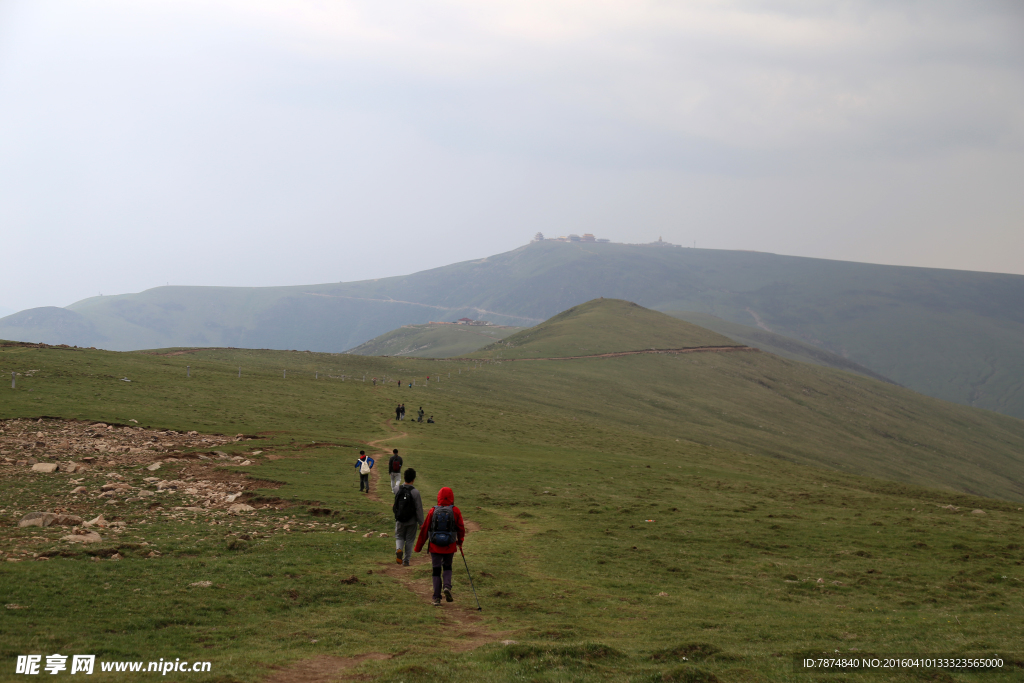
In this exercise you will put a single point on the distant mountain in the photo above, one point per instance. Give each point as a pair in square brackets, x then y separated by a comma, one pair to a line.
[433, 340]
[955, 335]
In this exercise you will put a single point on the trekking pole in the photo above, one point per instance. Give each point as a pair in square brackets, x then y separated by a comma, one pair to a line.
[478, 607]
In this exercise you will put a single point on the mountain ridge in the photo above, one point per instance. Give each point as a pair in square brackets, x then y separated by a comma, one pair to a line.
[954, 335]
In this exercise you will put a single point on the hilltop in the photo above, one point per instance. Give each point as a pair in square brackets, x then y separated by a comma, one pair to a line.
[950, 334]
[603, 326]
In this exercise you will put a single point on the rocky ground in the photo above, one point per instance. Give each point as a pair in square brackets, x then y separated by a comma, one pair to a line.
[92, 489]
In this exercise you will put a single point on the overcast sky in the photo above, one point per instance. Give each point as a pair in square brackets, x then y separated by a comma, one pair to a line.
[249, 142]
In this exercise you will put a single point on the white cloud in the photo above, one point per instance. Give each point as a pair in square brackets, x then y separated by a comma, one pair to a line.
[281, 142]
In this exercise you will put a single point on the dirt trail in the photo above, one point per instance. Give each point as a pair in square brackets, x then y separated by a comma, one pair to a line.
[461, 619]
[321, 669]
[382, 455]
[616, 354]
[464, 630]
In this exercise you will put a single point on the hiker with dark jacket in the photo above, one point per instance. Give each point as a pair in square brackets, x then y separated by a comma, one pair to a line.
[445, 531]
[408, 509]
[421, 414]
[364, 465]
[395, 470]
[398, 412]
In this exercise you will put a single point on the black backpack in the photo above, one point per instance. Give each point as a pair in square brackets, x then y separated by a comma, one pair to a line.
[405, 505]
[443, 531]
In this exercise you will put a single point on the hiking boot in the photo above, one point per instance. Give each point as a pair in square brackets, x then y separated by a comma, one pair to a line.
[398, 557]
[405, 563]
[447, 594]
[436, 602]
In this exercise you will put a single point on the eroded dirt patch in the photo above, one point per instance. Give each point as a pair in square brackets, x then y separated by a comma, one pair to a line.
[323, 669]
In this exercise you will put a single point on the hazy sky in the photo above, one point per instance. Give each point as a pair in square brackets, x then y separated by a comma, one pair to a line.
[250, 142]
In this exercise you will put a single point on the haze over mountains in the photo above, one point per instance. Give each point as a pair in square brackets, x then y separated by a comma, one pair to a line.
[954, 335]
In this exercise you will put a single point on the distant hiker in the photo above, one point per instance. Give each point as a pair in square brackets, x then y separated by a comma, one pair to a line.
[364, 465]
[410, 385]
[398, 413]
[445, 531]
[403, 412]
[374, 381]
[430, 420]
[395, 470]
[421, 414]
[408, 509]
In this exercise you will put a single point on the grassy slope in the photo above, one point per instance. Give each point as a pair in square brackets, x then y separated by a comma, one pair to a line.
[560, 463]
[433, 341]
[603, 326]
[950, 334]
[775, 343]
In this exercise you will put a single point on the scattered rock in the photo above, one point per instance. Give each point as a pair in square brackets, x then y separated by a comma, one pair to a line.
[977, 512]
[44, 467]
[509, 642]
[145, 494]
[69, 467]
[153, 553]
[230, 497]
[79, 489]
[83, 537]
[241, 507]
[117, 556]
[245, 463]
[383, 535]
[68, 520]
[154, 467]
[201, 584]
[42, 519]
[98, 521]
[367, 535]
[663, 594]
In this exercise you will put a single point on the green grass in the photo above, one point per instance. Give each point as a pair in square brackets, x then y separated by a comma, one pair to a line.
[560, 463]
[433, 341]
[603, 326]
[775, 343]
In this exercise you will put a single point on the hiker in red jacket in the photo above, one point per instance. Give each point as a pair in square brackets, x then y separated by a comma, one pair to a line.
[445, 530]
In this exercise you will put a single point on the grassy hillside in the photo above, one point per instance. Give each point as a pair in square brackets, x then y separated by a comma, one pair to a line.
[433, 341]
[950, 334]
[574, 474]
[775, 343]
[603, 326]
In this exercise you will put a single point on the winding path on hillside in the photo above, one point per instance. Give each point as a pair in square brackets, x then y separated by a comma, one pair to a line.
[460, 619]
[616, 354]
